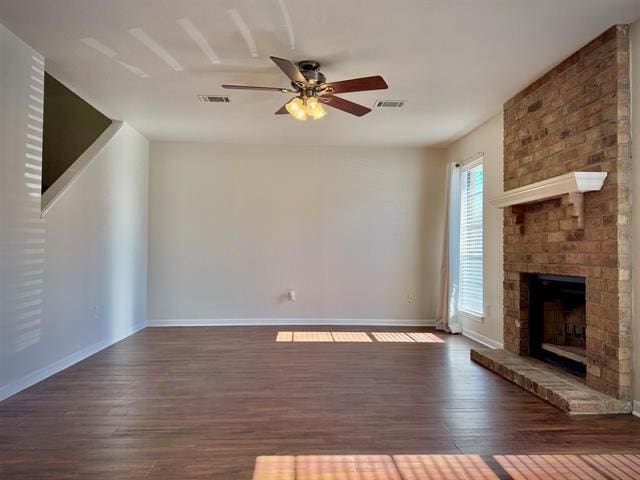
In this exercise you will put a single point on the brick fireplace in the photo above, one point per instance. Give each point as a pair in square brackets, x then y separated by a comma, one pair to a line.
[575, 118]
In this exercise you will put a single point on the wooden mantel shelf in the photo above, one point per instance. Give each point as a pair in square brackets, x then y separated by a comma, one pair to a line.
[572, 184]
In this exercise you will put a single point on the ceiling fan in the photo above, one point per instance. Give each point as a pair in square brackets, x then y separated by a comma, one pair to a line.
[312, 91]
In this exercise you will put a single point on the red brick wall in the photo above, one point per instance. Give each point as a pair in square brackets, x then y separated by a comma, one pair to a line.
[575, 117]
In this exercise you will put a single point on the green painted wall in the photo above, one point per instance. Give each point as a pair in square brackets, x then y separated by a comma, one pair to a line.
[71, 125]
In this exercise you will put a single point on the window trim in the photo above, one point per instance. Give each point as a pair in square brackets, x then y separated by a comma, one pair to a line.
[472, 162]
[469, 164]
[475, 316]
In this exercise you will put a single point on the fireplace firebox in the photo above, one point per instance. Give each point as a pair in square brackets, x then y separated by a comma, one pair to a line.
[557, 321]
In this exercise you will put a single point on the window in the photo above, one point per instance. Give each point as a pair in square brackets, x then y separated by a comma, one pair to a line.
[471, 298]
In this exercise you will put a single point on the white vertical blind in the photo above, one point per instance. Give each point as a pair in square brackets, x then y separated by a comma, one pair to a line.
[471, 298]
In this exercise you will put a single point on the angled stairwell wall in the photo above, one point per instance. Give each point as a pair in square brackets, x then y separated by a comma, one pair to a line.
[74, 281]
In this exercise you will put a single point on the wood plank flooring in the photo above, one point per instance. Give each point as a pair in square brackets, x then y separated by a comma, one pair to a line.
[195, 403]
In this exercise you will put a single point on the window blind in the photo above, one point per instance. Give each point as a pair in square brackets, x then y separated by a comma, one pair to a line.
[471, 295]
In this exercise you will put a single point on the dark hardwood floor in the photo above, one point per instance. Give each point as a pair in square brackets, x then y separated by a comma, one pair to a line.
[182, 403]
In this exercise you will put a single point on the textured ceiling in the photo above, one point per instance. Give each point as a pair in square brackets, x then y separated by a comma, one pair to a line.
[453, 61]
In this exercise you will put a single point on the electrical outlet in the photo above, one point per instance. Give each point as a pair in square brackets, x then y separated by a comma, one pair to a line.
[96, 312]
[411, 298]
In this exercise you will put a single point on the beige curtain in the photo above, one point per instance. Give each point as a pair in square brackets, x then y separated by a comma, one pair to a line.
[447, 318]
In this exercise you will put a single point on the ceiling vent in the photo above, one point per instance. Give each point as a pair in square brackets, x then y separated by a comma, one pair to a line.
[388, 104]
[214, 98]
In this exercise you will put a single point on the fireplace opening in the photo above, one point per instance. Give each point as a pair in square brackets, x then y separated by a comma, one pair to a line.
[557, 321]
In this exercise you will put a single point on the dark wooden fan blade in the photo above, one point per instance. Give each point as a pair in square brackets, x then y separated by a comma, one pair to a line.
[289, 69]
[345, 105]
[282, 110]
[358, 85]
[251, 87]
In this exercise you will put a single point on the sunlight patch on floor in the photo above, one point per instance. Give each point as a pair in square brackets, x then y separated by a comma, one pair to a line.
[328, 467]
[358, 337]
[393, 337]
[566, 467]
[350, 337]
[345, 467]
[421, 337]
[622, 467]
[275, 467]
[447, 467]
[443, 467]
[312, 337]
[284, 337]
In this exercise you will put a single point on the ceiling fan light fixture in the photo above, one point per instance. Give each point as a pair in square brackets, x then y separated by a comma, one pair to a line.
[296, 109]
[312, 90]
[315, 109]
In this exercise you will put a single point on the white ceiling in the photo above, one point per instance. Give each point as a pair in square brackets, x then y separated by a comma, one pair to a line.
[454, 61]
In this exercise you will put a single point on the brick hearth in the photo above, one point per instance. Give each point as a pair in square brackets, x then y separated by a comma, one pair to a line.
[575, 118]
[558, 388]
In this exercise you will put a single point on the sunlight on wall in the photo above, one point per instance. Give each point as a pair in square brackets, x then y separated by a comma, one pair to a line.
[123, 232]
[72, 279]
[22, 239]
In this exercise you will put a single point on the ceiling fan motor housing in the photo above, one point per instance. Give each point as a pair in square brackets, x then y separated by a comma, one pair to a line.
[310, 70]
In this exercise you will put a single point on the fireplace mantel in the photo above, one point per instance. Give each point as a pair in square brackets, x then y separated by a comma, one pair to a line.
[567, 184]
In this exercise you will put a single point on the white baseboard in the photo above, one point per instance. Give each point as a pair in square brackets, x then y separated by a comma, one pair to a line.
[636, 408]
[489, 342]
[253, 322]
[66, 362]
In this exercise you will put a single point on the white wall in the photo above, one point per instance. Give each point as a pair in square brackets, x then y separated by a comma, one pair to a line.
[635, 155]
[487, 139]
[353, 230]
[74, 281]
